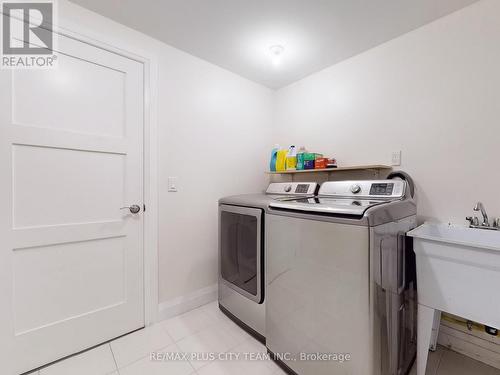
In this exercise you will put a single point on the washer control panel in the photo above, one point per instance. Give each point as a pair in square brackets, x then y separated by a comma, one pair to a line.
[292, 188]
[383, 189]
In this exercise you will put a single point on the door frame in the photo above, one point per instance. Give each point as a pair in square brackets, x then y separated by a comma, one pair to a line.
[117, 45]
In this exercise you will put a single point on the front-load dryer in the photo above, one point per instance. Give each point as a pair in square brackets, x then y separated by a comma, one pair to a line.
[242, 246]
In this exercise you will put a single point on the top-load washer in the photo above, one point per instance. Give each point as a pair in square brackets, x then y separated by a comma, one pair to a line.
[340, 280]
[241, 252]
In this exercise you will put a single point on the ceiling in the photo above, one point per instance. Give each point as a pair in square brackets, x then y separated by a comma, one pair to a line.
[237, 34]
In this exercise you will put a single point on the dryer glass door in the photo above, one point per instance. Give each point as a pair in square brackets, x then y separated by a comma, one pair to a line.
[240, 237]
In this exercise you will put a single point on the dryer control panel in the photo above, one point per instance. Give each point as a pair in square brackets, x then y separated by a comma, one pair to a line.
[292, 188]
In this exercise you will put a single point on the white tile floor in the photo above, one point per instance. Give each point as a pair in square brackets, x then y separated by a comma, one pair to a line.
[206, 329]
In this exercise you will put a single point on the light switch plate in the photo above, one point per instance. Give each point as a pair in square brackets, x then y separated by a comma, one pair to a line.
[172, 184]
[396, 158]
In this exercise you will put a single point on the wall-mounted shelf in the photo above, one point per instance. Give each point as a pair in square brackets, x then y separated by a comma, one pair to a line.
[377, 167]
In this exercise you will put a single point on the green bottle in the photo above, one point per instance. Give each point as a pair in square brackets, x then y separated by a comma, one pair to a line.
[300, 158]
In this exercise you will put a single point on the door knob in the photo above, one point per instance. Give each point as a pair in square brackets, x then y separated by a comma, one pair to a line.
[134, 209]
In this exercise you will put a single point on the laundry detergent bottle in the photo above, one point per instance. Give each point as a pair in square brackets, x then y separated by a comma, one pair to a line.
[300, 158]
[274, 156]
[281, 160]
[291, 159]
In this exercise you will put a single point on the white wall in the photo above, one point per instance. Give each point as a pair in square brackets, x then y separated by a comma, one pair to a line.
[433, 93]
[214, 134]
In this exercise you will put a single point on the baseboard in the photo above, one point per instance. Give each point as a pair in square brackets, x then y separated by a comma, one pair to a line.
[179, 305]
[476, 345]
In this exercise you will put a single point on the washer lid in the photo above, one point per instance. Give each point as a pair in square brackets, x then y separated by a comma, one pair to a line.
[327, 205]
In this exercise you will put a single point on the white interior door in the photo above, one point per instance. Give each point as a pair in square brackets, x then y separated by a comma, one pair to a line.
[71, 149]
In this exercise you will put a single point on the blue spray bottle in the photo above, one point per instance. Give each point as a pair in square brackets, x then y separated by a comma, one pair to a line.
[274, 155]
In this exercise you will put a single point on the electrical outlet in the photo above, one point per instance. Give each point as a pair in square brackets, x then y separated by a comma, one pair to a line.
[396, 158]
[172, 184]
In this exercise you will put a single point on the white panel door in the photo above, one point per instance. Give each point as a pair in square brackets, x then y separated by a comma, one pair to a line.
[71, 149]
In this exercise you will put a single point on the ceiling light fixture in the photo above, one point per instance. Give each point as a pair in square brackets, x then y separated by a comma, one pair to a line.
[276, 54]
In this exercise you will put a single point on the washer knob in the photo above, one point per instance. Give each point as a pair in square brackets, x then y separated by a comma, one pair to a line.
[288, 188]
[355, 189]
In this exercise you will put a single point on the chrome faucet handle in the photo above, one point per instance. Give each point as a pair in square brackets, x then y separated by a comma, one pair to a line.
[473, 221]
[496, 222]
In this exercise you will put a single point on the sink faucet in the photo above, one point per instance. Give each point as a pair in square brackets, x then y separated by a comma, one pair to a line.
[480, 207]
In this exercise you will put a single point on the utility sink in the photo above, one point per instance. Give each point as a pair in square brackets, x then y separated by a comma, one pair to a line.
[458, 235]
[458, 272]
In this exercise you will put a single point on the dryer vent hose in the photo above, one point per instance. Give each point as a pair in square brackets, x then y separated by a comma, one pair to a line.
[406, 177]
